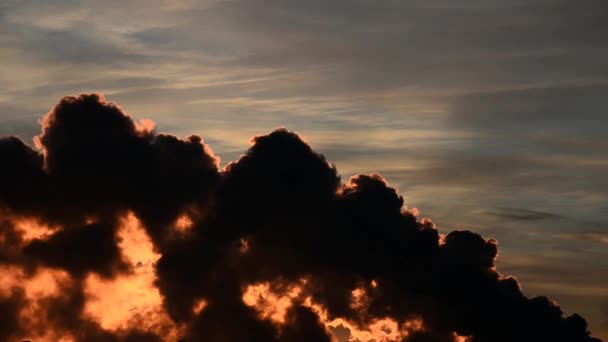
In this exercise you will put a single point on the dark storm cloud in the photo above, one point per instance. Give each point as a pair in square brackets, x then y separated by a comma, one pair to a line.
[98, 161]
[278, 214]
[303, 325]
[94, 163]
[97, 241]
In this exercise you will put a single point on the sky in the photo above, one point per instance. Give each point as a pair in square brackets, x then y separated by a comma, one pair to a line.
[485, 115]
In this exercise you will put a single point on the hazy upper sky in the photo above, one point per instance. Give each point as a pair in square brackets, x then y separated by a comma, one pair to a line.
[487, 115]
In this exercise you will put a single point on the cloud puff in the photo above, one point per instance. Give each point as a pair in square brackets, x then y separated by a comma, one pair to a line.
[275, 245]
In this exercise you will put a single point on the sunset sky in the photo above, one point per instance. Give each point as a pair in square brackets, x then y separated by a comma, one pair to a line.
[485, 115]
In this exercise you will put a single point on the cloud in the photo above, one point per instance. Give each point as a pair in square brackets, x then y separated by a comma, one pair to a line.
[597, 237]
[527, 109]
[605, 313]
[513, 92]
[278, 222]
[522, 214]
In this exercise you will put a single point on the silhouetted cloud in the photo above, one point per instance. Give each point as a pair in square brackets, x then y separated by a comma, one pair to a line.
[273, 247]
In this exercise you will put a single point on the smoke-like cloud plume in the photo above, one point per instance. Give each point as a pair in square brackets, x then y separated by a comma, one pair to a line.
[111, 231]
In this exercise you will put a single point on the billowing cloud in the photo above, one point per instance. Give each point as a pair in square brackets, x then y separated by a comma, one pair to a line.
[120, 233]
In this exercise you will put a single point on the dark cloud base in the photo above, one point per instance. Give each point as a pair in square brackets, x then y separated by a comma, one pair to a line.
[280, 215]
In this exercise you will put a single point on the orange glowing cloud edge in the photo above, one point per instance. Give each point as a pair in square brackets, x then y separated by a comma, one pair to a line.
[273, 306]
[32, 228]
[132, 300]
[45, 283]
[129, 300]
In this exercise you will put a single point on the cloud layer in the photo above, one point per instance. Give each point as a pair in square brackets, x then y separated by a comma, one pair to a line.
[272, 247]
